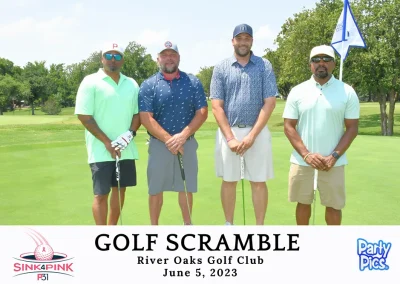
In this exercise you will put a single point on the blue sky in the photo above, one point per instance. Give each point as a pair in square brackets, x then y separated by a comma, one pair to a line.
[69, 31]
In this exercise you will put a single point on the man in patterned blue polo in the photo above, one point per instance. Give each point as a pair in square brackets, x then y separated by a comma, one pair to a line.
[172, 107]
[243, 93]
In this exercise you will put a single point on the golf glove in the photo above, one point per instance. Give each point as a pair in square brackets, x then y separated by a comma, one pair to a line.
[123, 140]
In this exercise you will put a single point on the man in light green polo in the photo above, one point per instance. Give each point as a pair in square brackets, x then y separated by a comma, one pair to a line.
[107, 105]
[321, 121]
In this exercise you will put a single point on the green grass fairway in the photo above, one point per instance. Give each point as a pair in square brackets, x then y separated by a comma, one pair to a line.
[45, 179]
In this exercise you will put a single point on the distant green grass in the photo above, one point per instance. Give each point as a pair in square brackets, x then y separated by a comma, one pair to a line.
[369, 121]
[45, 178]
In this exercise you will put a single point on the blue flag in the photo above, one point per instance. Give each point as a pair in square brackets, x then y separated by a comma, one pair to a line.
[347, 33]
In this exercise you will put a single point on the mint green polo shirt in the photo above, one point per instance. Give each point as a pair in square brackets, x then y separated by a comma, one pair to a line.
[321, 111]
[112, 105]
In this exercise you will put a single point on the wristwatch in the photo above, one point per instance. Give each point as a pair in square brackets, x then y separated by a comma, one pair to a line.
[335, 155]
[133, 132]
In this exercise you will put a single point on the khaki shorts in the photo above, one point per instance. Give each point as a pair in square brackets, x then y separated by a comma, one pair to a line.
[331, 186]
[258, 165]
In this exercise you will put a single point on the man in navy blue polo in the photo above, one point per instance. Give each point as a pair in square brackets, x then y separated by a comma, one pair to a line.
[172, 106]
[243, 92]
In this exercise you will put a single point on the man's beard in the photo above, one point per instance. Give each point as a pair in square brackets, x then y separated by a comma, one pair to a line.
[241, 53]
[169, 70]
[321, 75]
[112, 68]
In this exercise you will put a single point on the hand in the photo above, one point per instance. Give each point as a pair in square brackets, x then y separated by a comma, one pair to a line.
[329, 161]
[122, 141]
[233, 144]
[246, 143]
[180, 150]
[113, 151]
[316, 161]
[175, 143]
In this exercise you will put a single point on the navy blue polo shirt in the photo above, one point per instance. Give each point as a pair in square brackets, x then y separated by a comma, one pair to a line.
[173, 103]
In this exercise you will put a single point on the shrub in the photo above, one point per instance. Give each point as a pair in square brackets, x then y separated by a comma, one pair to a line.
[51, 106]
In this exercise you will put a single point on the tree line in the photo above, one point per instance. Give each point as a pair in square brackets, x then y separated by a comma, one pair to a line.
[35, 84]
[374, 72]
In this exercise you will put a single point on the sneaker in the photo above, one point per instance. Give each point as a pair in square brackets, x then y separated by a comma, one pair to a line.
[228, 224]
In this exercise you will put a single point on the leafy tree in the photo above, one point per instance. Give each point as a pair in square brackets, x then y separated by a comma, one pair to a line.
[52, 106]
[6, 67]
[205, 76]
[75, 74]
[374, 72]
[377, 70]
[36, 75]
[93, 63]
[138, 64]
[12, 90]
[298, 36]
[58, 83]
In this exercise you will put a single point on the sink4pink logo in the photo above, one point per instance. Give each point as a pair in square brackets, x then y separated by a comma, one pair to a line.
[43, 260]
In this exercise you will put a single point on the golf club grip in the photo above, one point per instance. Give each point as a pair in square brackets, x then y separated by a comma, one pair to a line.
[181, 166]
[315, 179]
[117, 168]
[241, 167]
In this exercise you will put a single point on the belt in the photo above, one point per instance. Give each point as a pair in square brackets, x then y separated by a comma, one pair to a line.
[189, 138]
[242, 125]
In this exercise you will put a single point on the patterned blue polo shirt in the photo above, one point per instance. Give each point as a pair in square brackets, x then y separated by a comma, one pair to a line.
[243, 89]
[173, 103]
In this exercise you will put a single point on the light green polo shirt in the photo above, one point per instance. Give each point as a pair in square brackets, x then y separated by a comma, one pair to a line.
[112, 105]
[321, 111]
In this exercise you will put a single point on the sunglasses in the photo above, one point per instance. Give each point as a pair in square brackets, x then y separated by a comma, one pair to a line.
[109, 56]
[318, 59]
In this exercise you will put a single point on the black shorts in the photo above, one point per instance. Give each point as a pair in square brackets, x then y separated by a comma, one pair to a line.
[104, 176]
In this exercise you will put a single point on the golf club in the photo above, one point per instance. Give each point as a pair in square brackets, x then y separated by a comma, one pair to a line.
[184, 184]
[117, 174]
[242, 178]
[315, 192]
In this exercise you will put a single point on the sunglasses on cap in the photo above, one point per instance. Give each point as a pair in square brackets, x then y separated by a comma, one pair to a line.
[324, 58]
[109, 56]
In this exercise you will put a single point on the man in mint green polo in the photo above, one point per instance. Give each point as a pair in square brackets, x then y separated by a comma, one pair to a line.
[321, 121]
[107, 105]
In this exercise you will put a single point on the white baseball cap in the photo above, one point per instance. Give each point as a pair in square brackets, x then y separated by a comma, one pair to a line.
[322, 49]
[112, 46]
[168, 45]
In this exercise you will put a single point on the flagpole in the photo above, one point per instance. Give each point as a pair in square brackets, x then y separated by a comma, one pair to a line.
[341, 65]
[343, 38]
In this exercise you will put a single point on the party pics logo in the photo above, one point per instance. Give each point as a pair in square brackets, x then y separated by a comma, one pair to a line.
[373, 256]
[43, 261]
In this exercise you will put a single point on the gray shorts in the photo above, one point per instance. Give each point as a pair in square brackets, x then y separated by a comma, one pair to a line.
[104, 176]
[163, 171]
